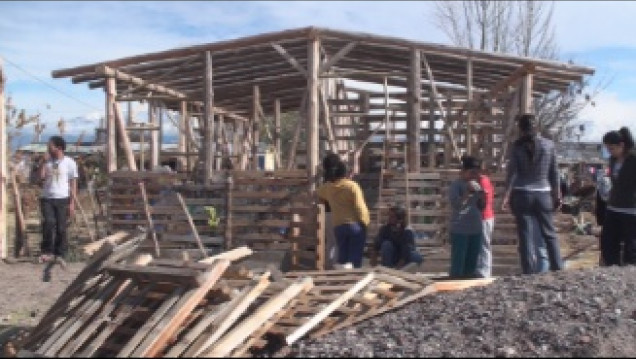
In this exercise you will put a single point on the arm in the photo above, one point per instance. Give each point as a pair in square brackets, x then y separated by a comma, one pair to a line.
[511, 169]
[553, 177]
[361, 209]
[456, 199]
[73, 174]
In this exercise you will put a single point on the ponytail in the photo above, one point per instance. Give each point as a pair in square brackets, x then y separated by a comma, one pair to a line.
[627, 138]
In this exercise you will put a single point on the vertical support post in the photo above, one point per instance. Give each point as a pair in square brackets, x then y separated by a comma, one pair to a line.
[228, 211]
[162, 113]
[131, 116]
[448, 149]
[432, 148]
[526, 94]
[154, 135]
[277, 133]
[184, 145]
[414, 113]
[208, 121]
[220, 143]
[469, 118]
[111, 129]
[313, 62]
[321, 248]
[4, 241]
[256, 100]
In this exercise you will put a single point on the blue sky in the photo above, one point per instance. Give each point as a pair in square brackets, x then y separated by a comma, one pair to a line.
[44, 36]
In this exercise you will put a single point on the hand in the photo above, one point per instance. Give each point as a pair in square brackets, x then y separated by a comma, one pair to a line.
[71, 210]
[505, 205]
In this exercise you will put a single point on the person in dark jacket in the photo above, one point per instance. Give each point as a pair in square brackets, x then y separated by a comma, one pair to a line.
[396, 241]
[534, 194]
[619, 226]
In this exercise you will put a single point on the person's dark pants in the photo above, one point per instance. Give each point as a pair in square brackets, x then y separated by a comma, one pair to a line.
[618, 228]
[465, 249]
[351, 238]
[391, 255]
[54, 224]
[530, 208]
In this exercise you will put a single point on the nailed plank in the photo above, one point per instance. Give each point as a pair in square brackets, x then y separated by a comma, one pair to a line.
[231, 316]
[325, 312]
[157, 340]
[244, 329]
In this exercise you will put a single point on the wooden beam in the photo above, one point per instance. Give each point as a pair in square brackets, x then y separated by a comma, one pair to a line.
[277, 133]
[154, 135]
[184, 123]
[132, 165]
[469, 118]
[121, 76]
[111, 130]
[526, 94]
[294, 145]
[218, 47]
[4, 240]
[208, 121]
[415, 115]
[510, 80]
[256, 101]
[292, 61]
[313, 84]
[447, 123]
[325, 66]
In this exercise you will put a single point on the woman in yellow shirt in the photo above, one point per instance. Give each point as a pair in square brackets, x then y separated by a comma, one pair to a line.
[349, 210]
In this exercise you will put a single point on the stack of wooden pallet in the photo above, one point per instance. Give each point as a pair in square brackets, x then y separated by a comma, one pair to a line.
[128, 304]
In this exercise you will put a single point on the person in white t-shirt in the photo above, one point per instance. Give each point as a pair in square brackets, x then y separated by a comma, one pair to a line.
[58, 174]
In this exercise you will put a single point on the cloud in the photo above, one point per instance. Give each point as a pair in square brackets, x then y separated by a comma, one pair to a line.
[609, 114]
[43, 36]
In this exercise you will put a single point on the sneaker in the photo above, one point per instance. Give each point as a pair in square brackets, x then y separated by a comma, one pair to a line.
[61, 262]
[44, 258]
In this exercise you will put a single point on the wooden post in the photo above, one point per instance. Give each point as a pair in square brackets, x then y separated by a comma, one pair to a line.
[3, 168]
[256, 100]
[414, 113]
[228, 211]
[111, 137]
[154, 135]
[21, 243]
[313, 63]
[526, 94]
[208, 121]
[432, 147]
[130, 157]
[448, 148]
[183, 163]
[471, 108]
[277, 133]
[193, 228]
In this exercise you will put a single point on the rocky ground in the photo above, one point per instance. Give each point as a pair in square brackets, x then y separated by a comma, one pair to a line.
[575, 313]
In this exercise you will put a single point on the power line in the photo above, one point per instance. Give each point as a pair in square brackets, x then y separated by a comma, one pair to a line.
[49, 85]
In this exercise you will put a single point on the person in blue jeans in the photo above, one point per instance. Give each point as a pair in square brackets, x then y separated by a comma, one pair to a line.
[349, 212]
[396, 241]
[467, 200]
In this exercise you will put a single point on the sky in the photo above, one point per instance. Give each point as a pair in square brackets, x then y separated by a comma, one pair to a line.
[38, 37]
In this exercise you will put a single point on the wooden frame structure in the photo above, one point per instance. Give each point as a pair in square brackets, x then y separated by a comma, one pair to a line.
[442, 100]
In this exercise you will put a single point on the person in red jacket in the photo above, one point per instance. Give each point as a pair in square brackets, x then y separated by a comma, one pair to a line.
[484, 262]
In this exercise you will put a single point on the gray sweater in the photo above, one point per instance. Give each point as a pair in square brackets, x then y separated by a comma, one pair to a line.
[465, 217]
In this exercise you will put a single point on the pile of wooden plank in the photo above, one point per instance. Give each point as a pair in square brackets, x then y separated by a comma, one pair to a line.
[129, 304]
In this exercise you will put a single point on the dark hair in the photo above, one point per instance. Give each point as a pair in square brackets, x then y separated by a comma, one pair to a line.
[58, 142]
[470, 163]
[528, 134]
[621, 136]
[400, 214]
[334, 168]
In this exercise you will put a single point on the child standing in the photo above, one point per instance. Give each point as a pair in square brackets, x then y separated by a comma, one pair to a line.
[467, 201]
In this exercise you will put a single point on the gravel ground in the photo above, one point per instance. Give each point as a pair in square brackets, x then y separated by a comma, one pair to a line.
[569, 314]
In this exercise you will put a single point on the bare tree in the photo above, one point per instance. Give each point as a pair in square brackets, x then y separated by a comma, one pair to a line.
[523, 28]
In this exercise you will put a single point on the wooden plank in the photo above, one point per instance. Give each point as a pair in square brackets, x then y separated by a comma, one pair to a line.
[455, 285]
[325, 312]
[244, 329]
[231, 316]
[153, 274]
[192, 226]
[292, 61]
[114, 239]
[157, 339]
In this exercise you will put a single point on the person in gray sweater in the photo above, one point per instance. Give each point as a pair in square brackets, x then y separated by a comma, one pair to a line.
[467, 200]
[534, 194]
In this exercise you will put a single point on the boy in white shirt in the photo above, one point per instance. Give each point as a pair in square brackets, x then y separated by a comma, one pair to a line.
[58, 175]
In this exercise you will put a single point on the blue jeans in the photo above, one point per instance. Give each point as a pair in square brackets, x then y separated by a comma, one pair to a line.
[535, 210]
[391, 256]
[351, 239]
